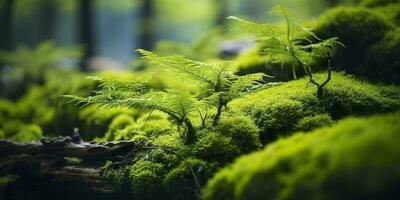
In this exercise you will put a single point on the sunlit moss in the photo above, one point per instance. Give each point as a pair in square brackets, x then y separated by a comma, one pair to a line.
[96, 120]
[252, 62]
[277, 110]
[355, 159]
[309, 123]
[242, 130]
[357, 28]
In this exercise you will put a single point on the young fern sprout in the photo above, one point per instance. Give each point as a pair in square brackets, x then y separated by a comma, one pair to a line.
[292, 43]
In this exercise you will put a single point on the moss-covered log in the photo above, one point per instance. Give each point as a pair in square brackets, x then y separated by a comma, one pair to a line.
[60, 168]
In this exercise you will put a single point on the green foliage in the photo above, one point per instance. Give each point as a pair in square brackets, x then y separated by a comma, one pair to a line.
[310, 123]
[30, 66]
[252, 61]
[146, 177]
[123, 127]
[97, 121]
[343, 165]
[19, 131]
[357, 28]
[292, 44]
[382, 60]
[375, 3]
[277, 110]
[242, 130]
[390, 11]
[218, 83]
[117, 124]
[184, 180]
[216, 147]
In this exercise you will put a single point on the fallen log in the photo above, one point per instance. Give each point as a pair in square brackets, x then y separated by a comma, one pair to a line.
[60, 168]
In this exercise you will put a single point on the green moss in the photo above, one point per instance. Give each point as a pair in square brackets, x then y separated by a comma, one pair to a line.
[382, 61]
[277, 110]
[181, 180]
[242, 130]
[357, 28]
[252, 62]
[19, 131]
[309, 123]
[214, 146]
[355, 159]
[117, 176]
[118, 123]
[145, 177]
[26, 133]
[144, 127]
[96, 120]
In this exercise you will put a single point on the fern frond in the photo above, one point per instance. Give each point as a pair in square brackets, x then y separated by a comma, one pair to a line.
[260, 30]
[200, 71]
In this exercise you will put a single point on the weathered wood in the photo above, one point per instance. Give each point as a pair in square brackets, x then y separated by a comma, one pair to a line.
[45, 171]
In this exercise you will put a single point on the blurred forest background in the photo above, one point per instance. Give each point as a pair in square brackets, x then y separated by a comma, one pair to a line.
[110, 31]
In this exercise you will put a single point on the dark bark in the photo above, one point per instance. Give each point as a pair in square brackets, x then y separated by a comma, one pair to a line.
[190, 132]
[6, 23]
[86, 32]
[45, 173]
[146, 34]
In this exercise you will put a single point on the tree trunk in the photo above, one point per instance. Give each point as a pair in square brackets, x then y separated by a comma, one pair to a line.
[146, 35]
[45, 172]
[47, 19]
[86, 32]
[6, 23]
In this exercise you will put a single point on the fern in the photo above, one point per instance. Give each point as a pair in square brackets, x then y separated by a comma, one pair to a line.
[134, 94]
[218, 79]
[292, 43]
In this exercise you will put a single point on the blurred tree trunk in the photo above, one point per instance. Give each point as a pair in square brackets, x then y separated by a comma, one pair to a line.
[222, 13]
[146, 35]
[86, 33]
[6, 23]
[48, 19]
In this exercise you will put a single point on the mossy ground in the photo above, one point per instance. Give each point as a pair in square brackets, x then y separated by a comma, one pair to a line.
[284, 109]
[355, 159]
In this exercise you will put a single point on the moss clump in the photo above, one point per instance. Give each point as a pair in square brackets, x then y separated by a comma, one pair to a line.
[117, 124]
[277, 110]
[383, 58]
[309, 123]
[125, 127]
[242, 130]
[232, 137]
[216, 147]
[145, 177]
[355, 159]
[96, 121]
[252, 62]
[357, 28]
